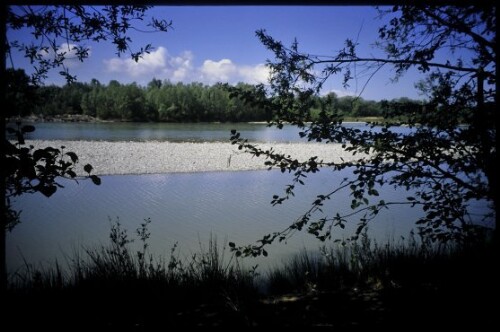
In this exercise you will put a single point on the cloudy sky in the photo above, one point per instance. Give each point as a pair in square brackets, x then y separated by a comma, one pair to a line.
[212, 44]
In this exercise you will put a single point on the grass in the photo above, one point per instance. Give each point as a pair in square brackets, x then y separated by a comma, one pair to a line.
[346, 285]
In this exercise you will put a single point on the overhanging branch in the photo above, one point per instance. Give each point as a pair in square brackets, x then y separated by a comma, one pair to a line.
[397, 62]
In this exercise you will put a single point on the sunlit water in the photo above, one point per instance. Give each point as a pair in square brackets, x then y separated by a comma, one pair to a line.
[175, 132]
[190, 132]
[186, 208]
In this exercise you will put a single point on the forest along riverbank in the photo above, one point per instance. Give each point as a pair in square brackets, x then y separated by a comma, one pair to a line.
[153, 157]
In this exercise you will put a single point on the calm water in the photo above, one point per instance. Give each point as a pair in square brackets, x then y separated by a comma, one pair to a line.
[184, 208]
[193, 132]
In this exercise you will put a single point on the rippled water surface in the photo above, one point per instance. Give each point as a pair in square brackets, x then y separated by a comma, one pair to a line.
[177, 132]
[184, 208]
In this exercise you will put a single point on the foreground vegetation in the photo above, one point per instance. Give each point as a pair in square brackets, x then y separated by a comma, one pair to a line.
[398, 285]
[350, 284]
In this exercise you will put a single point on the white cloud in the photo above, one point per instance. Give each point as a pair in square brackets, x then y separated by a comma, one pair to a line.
[147, 65]
[256, 74]
[162, 65]
[180, 67]
[68, 51]
[218, 71]
[226, 71]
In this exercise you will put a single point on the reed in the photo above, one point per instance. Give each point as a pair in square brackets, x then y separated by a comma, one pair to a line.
[117, 285]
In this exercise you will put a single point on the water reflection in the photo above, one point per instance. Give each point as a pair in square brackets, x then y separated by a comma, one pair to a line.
[187, 208]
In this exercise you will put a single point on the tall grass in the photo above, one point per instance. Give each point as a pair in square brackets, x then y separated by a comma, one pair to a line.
[366, 264]
[116, 285]
[344, 264]
[119, 285]
[118, 262]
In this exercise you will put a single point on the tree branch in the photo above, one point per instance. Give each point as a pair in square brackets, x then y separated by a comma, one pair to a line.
[460, 28]
[401, 62]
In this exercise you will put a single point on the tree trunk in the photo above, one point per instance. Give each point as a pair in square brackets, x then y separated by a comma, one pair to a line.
[3, 256]
[489, 158]
[3, 266]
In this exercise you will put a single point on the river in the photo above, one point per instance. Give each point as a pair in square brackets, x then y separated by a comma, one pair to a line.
[184, 208]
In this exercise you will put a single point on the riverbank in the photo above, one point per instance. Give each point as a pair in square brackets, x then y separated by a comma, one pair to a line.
[78, 118]
[154, 157]
[56, 118]
[116, 288]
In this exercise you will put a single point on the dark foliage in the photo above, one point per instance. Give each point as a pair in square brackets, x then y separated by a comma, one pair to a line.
[58, 34]
[448, 156]
[61, 32]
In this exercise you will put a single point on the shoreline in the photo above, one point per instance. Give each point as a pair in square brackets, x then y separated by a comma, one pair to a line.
[80, 118]
[160, 157]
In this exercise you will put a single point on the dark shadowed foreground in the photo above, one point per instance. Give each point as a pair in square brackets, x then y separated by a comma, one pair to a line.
[357, 284]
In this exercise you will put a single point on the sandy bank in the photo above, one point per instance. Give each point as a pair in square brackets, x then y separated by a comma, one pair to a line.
[165, 157]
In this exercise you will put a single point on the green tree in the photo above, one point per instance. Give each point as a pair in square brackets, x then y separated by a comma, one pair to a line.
[105, 103]
[448, 158]
[154, 84]
[347, 105]
[133, 105]
[58, 33]
[19, 94]
[89, 101]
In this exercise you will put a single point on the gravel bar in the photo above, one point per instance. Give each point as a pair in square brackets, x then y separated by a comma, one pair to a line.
[155, 157]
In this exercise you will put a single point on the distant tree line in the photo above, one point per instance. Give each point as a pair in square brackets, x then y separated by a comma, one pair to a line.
[163, 101]
[158, 101]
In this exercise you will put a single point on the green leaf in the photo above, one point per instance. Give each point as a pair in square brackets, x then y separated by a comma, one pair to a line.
[431, 215]
[39, 154]
[48, 191]
[73, 156]
[95, 179]
[71, 173]
[88, 168]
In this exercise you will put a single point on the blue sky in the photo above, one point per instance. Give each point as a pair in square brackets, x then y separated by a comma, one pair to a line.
[212, 44]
